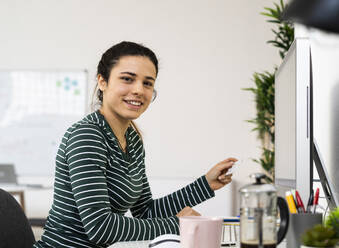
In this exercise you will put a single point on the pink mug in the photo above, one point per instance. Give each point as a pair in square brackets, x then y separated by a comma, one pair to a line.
[200, 232]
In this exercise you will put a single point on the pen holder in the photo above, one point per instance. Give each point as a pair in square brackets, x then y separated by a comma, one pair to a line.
[298, 224]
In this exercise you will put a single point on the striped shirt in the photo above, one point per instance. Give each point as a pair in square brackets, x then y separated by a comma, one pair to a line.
[96, 183]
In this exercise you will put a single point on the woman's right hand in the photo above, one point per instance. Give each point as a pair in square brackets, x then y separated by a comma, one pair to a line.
[188, 211]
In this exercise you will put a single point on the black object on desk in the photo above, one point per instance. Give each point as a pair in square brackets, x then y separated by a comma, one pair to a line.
[13, 222]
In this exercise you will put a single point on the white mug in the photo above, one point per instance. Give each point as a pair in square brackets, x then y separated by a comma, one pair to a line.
[200, 232]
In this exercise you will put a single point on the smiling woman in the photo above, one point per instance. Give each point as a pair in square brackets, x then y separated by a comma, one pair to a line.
[127, 93]
[100, 165]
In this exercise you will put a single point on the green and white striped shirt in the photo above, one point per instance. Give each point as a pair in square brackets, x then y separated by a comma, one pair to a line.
[96, 183]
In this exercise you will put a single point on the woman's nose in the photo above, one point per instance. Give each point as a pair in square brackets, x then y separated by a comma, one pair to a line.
[138, 88]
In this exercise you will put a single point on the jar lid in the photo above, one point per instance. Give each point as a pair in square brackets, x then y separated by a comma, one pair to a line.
[258, 186]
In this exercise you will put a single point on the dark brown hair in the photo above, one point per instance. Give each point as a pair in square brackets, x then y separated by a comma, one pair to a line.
[111, 57]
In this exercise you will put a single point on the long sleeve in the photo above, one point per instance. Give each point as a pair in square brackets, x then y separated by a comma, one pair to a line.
[86, 157]
[96, 183]
[190, 195]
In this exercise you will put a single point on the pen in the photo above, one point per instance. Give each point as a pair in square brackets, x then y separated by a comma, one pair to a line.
[293, 193]
[294, 198]
[315, 201]
[290, 202]
[300, 204]
[310, 201]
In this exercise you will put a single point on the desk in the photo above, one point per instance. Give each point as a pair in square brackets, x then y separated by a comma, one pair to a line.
[29, 197]
[131, 244]
[144, 244]
[230, 235]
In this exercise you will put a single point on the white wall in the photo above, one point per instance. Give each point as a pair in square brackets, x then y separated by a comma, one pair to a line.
[208, 50]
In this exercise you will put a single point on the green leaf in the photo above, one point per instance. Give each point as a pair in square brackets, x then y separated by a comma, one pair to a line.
[273, 21]
[264, 89]
[282, 4]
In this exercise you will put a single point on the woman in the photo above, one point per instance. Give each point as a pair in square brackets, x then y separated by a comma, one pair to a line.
[100, 169]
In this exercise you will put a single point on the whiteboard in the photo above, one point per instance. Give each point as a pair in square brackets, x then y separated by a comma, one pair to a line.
[36, 108]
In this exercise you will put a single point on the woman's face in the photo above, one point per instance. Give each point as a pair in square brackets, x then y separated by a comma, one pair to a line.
[130, 87]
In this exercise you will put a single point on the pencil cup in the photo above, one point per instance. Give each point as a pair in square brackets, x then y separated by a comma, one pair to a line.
[298, 224]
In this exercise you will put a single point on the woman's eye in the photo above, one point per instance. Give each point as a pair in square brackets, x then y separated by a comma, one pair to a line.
[148, 84]
[127, 79]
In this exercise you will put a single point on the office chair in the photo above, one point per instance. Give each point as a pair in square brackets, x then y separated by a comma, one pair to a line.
[15, 230]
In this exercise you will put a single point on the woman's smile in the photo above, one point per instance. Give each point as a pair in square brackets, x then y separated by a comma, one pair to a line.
[133, 104]
[129, 90]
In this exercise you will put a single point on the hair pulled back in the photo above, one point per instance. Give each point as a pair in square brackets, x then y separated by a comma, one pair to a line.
[111, 57]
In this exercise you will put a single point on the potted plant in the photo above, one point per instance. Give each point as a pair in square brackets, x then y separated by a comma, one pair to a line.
[319, 236]
[323, 235]
[264, 88]
[332, 220]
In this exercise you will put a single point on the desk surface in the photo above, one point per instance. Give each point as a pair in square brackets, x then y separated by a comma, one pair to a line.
[132, 244]
[24, 187]
[144, 244]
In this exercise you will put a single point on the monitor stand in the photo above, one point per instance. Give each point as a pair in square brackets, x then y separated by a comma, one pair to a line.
[328, 188]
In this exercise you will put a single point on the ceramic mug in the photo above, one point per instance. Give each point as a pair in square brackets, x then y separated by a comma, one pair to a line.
[200, 232]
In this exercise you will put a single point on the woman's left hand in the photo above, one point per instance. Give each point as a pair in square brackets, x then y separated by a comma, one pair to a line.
[216, 177]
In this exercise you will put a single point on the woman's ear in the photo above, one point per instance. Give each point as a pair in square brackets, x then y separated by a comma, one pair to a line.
[102, 84]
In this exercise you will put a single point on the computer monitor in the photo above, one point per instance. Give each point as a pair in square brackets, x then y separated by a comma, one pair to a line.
[293, 120]
[295, 146]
